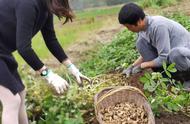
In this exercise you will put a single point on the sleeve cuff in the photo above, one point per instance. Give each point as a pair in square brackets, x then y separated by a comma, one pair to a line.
[158, 62]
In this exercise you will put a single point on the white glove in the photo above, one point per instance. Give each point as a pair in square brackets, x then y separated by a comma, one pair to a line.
[76, 73]
[57, 82]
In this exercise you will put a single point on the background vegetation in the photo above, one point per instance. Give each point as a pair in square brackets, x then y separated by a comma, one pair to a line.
[158, 3]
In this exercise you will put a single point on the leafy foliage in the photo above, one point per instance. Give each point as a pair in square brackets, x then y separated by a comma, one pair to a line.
[58, 110]
[121, 50]
[164, 92]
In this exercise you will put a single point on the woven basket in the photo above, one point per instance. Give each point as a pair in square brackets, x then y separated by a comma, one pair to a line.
[114, 95]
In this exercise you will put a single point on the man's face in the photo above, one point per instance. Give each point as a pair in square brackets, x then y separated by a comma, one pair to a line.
[136, 28]
[133, 28]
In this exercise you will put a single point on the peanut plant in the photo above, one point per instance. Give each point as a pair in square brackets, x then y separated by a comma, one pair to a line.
[165, 92]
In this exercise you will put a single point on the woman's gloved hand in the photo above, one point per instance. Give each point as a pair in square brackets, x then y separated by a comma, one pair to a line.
[55, 80]
[76, 73]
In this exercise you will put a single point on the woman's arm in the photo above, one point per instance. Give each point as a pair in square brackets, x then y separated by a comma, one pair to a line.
[26, 16]
[51, 41]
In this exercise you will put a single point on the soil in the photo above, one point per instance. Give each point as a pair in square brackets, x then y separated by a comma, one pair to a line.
[182, 7]
[168, 118]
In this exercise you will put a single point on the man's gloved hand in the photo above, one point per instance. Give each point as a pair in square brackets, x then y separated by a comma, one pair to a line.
[132, 70]
[76, 73]
[128, 71]
[56, 81]
[136, 69]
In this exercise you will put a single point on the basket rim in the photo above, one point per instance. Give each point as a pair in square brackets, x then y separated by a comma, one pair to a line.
[114, 90]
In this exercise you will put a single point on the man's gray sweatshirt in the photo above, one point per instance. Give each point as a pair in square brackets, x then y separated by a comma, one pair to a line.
[164, 34]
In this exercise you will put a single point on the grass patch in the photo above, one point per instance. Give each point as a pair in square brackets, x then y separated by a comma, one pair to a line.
[157, 3]
[97, 12]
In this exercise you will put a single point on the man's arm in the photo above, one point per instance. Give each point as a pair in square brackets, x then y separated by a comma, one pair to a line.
[149, 64]
[138, 61]
[162, 43]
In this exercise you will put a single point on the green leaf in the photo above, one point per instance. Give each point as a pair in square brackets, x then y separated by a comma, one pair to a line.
[147, 75]
[164, 86]
[154, 75]
[164, 80]
[168, 74]
[171, 68]
[173, 107]
[180, 98]
[144, 80]
[146, 86]
[151, 89]
[152, 86]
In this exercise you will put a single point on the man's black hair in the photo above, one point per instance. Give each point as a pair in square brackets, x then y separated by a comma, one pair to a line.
[130, 14]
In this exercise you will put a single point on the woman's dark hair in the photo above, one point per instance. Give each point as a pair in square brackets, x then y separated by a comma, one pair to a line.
[60, 8]
[130, 14]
